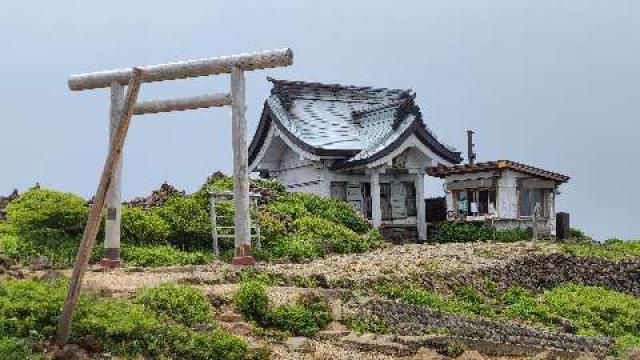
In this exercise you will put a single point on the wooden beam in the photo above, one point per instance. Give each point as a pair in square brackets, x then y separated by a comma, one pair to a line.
[93, 223]
[185, 69]
[190, 103]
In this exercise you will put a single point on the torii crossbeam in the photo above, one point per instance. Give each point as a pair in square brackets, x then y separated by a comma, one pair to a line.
[122, 110]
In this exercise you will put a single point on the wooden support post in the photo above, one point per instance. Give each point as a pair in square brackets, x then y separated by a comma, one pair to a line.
[376, 209]
[214, 225]
[421, 219]
[93, 222]
[111, 256]
[240, 170]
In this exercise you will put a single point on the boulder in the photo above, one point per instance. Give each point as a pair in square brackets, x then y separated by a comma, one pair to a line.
[546, 355]
[6, 261]
[40, 263]
[634, 354]
[427, 354]
[470, 355]
[70, 352]
[300, 344]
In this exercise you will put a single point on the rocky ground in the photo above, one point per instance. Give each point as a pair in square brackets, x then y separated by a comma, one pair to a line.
[338, 275]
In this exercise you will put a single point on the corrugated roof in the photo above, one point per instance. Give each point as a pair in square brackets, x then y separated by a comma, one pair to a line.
[443, 171]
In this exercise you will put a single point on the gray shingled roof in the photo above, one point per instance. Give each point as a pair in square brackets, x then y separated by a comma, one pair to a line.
[357, 122]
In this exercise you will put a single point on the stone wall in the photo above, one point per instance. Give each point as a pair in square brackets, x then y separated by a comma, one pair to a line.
[413, 320]
[540, 272]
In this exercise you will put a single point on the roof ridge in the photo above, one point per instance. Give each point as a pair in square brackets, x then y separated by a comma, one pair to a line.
[333, 85]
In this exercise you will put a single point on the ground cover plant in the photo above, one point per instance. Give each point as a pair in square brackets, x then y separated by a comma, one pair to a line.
[587, 310]
[307, 315]
[157, 324]
[612, 249]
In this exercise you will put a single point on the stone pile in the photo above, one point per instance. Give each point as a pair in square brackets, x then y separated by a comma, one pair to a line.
[4, 202]
[412, 320]
[10, 268]
[540, 272]
[157, 197]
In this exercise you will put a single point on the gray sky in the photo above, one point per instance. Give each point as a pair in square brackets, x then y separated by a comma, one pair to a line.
[546, 82]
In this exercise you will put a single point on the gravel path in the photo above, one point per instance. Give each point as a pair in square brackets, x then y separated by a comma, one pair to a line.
[398, 262]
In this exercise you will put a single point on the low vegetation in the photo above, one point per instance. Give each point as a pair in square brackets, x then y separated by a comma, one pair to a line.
[296, 227]
[612, 249]
[307, 315]
[447, 232]
[156, 324]
[589, 310]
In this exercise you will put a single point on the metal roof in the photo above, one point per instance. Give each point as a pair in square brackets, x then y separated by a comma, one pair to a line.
[444, 171]
[350, 121]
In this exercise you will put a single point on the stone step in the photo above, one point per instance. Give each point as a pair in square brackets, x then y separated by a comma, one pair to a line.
[229, 316]
[332, 334]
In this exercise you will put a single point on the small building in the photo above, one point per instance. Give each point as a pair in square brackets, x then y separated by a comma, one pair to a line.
[369, 146]
[506, 193]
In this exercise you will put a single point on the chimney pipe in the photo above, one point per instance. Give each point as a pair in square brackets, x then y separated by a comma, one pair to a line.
[470, 145]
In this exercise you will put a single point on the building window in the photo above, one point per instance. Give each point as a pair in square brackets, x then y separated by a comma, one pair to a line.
[529, 198]
[410, 198]
[475, 202]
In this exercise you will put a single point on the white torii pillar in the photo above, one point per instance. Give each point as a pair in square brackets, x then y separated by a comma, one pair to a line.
[113, 201]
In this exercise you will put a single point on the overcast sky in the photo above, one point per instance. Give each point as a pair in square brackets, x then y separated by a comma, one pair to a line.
[548, 83]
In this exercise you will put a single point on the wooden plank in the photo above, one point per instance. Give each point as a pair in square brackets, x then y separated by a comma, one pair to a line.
[185, 69]
[189, 103]
[93, 223]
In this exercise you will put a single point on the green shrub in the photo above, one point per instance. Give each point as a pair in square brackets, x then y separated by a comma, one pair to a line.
[297, 249]
[576, 234]
[12, 348]
[142, 227]
[374, 324]
[163, 255]
[182, 303]
[331, 236]
[298, 205]
[189, 222]
[61, 253]
[594, 308]
[29, 310]
[48, 213]
[462, 232]
[520, 303]
[252, 301]
[513, 235]
[299, 319]
[465, 301]
[612, 250]
[308, 314]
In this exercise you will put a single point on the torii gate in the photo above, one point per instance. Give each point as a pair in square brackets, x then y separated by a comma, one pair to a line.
[123, 109]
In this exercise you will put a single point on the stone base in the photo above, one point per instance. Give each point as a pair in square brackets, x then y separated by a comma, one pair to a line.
[110, 264]
[243, 261]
